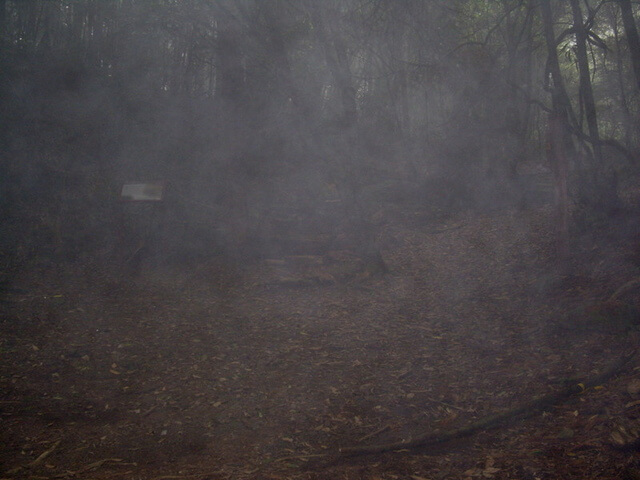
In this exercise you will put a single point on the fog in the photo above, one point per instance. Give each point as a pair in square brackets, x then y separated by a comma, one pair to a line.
[338, 239]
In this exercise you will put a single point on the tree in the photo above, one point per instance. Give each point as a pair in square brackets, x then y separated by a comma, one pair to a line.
[632, 36]
[326, 23]
[586, 90]
[248, 103]
[3, 15]
[600, 193]
[559, 143]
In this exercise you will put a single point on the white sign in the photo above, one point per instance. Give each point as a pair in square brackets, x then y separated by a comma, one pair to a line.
[143, 192]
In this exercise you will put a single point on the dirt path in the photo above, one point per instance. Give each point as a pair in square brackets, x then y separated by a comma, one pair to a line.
[223, 374]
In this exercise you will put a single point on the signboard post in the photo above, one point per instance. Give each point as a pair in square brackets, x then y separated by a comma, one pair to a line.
[143, 209]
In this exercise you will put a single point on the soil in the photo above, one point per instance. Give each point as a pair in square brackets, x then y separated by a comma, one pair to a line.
[265, 370]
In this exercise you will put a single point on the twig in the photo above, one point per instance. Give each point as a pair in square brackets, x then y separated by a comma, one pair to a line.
[215, 474]
[445, 229]
[149, 411]
[91, 466]
[43, 455]
[623, 289]
[98, 464]
[373, 434]
[466, 410]
[301, 457]
[37, 461]
[177, 477]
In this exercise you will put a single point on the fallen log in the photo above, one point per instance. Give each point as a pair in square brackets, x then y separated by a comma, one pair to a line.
[491, 421]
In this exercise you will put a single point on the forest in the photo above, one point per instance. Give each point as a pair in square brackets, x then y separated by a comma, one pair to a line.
[304, 239]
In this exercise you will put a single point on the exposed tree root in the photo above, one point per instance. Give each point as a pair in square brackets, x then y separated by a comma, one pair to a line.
[522, 411]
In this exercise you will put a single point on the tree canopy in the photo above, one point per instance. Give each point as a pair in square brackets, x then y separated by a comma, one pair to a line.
[250, 107]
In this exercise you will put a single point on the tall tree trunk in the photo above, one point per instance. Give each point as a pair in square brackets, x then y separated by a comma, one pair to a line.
[586, 89]
[403, 84]
[630, 124]
[281, 63]
[3, 19]
[559, 142]
[599, 184]
[632, 36]
[230, 72]
[517, 72]
[336, 57]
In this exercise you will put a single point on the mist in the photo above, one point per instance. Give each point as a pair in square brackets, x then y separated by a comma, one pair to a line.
[300, 239]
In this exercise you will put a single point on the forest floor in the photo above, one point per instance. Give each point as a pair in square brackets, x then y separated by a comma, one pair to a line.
[236, 373]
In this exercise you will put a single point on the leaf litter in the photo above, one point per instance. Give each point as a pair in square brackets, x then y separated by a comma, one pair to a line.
[260, 380]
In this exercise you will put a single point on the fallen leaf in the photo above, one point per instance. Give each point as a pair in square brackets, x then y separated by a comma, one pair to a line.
[566, 433]
[617, 438]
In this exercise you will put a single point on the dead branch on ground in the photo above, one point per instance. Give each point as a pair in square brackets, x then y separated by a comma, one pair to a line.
[522, 411]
